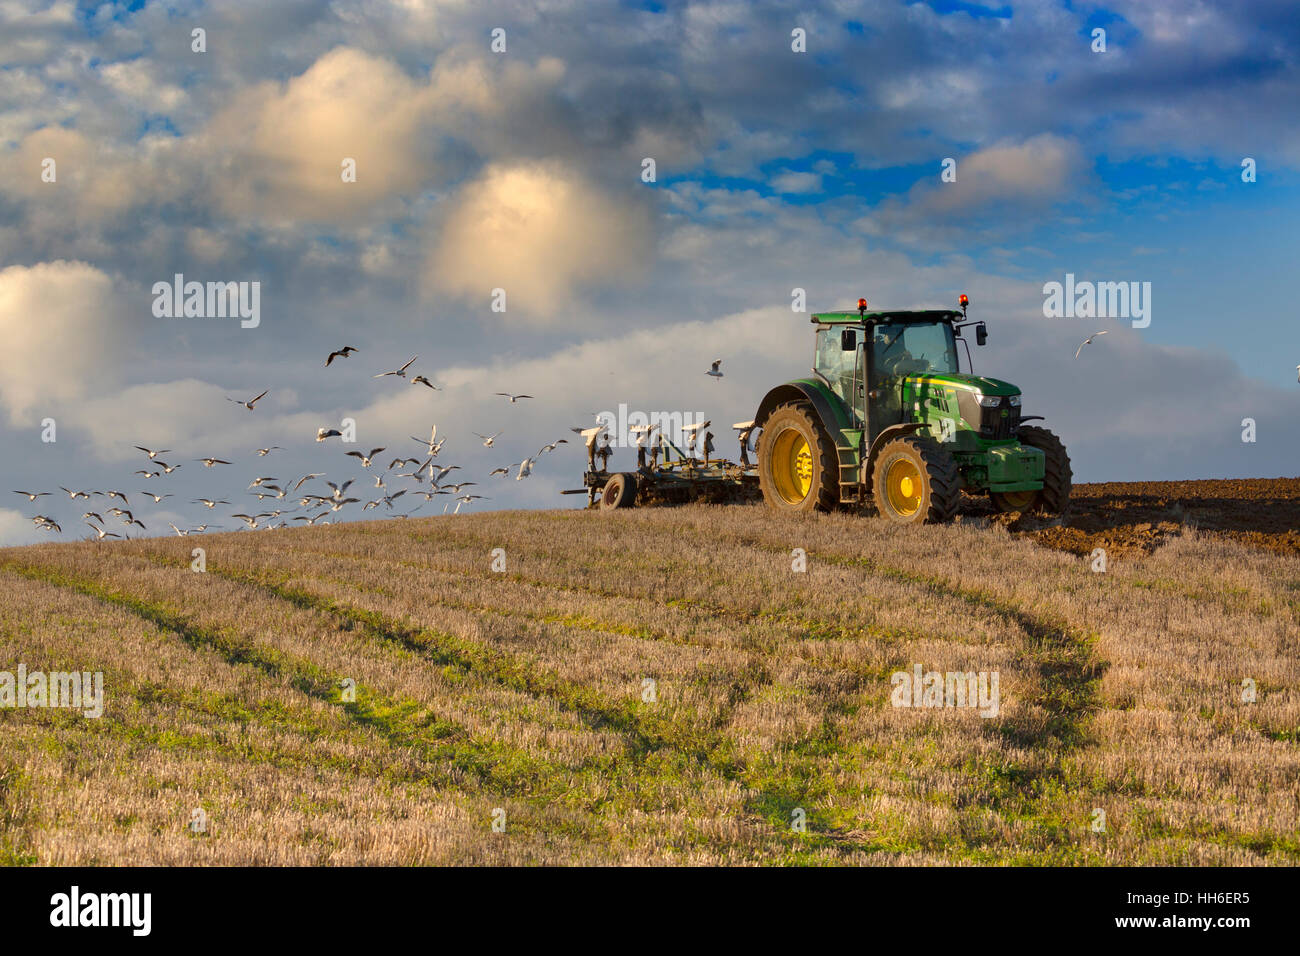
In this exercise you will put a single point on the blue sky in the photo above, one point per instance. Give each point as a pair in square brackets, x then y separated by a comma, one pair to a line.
[521, 170]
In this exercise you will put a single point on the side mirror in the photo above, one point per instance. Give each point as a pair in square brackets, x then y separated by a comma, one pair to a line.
[981, 334]
[849, 340]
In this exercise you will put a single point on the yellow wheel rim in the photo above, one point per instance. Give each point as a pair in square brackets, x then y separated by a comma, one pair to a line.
[903, 487]
[1018, 500]
[792, 466]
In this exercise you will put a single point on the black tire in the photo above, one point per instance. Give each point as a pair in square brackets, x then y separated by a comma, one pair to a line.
[1058, 479]
[932, 476]
[823, 493]
[620, 491]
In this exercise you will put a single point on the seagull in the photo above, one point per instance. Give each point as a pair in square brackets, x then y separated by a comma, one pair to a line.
[150, 474]
[525, 469]
[168, 469]
[324, 433]
[279, 493]
[715, 369]
[389, 499]
[306, 478]
[365, 459]
[499, 471]
[209, 502]
[74, 495]
[209, 462]
[32, 495]
[379, 481]
[339, 490]
[513, 398]
[101, 532]
[421, 380]
[153, 454]
[47, 524]
[401, 372]
[156, 498]
[443, 472]
[455, 489]
[345, 501]
[433, 443]
[263, 452]
[488, 439]
[250, 403]
[179, 532]
[1088, 341]
[92, 514]
[340, 353]
[258, 482]
[250, 520]
[552, 445]
[118, 494]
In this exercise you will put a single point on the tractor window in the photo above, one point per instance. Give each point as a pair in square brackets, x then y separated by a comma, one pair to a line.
[913, 348]
[836, 364]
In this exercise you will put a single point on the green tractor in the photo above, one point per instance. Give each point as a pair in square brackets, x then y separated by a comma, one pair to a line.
[887, 415]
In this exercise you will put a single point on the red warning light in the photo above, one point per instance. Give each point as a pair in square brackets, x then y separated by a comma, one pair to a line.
[964, 301]
[862, 305]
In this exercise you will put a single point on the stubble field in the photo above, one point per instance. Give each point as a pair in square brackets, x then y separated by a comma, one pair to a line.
[648, 687]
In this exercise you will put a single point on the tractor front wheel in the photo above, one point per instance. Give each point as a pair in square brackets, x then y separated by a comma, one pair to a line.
[915, 481]
[797, 465]
[1058, 479]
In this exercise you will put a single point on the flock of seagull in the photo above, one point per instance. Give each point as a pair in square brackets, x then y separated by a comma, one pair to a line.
[303, 498]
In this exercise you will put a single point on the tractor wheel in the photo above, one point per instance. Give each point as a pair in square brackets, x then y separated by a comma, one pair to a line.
[620, 491]
[797, 465]
[1057, 477]
[915, 481]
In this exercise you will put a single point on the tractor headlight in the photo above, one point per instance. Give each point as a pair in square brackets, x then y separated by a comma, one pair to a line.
[1015, 401]
[989, 401]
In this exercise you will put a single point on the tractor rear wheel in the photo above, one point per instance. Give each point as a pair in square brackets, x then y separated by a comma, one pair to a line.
[915, 481]
[620, 491]
[798, 469]
[1058, 479]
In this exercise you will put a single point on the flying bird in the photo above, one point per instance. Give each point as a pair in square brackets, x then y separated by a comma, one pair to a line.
[324, 433]
[209, 462]
[488, 439]
[74, 495]
[401, 372]
[258, 482]
[250, 403]
[715, 369]
[263, 452]
[525, 469]
[209, 502]
[156, 498]
[1088, 341]
[340, 353]
[153, 454]
[365, 459]
[513, 398]
[101, 532]
[552, 445]
[32, 495]
[421, 380]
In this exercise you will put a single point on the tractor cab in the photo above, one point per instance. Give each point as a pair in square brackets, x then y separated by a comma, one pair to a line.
[867, 357]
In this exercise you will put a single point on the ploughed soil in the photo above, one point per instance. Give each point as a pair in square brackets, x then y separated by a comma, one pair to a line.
[1136, 516]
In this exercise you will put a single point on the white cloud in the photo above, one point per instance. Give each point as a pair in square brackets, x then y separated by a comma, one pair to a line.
[541, 232]
[58, 321]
